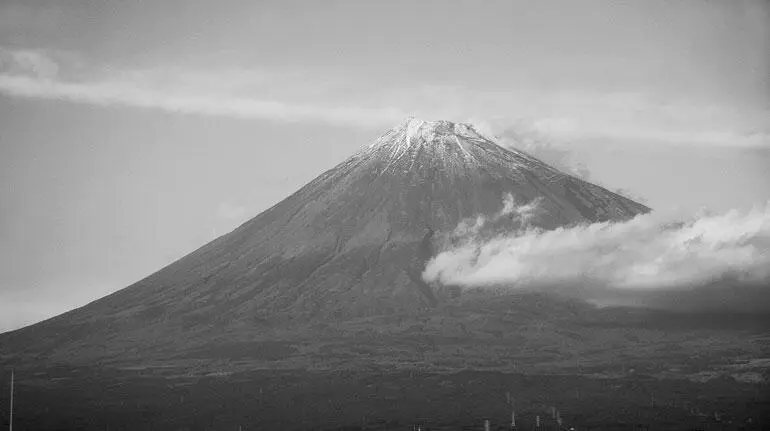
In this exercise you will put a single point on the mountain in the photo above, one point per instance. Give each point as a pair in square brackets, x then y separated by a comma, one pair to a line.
[350, 244]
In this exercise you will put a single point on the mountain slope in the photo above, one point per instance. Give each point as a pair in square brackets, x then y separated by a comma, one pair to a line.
[352, 242]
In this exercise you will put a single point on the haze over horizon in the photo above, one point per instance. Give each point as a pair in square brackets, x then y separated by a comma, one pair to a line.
[133, 133]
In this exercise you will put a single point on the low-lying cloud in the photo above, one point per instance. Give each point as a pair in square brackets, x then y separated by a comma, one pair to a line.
[471, 228]
[652, 260]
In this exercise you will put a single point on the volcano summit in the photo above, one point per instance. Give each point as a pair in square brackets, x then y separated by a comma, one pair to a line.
[351, 243]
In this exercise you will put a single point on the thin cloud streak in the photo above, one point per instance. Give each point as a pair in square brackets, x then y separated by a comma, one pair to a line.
[39, 74]
[245, 93]
[113, 93]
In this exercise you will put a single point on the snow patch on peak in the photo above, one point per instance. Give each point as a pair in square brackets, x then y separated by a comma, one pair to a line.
[452, 145]
[429, 130]
[412, 129]
[416, 131]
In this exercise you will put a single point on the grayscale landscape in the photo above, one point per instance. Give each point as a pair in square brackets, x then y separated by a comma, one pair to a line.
[384, 255]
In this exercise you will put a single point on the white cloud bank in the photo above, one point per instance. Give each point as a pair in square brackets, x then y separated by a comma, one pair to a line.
[643, 261]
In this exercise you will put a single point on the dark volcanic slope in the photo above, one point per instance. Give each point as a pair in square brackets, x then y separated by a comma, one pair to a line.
[351, 242]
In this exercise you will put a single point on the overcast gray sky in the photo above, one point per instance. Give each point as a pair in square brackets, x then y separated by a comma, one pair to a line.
[132, 132]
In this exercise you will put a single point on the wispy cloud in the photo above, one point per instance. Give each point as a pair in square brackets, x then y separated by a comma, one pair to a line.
[524, 137]
[115, 93]
[628, 117]
[32, 74]
[293, 97]
[647, 256]
[28, 63]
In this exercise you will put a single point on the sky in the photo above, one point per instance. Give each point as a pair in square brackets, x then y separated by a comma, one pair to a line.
[132, 133]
